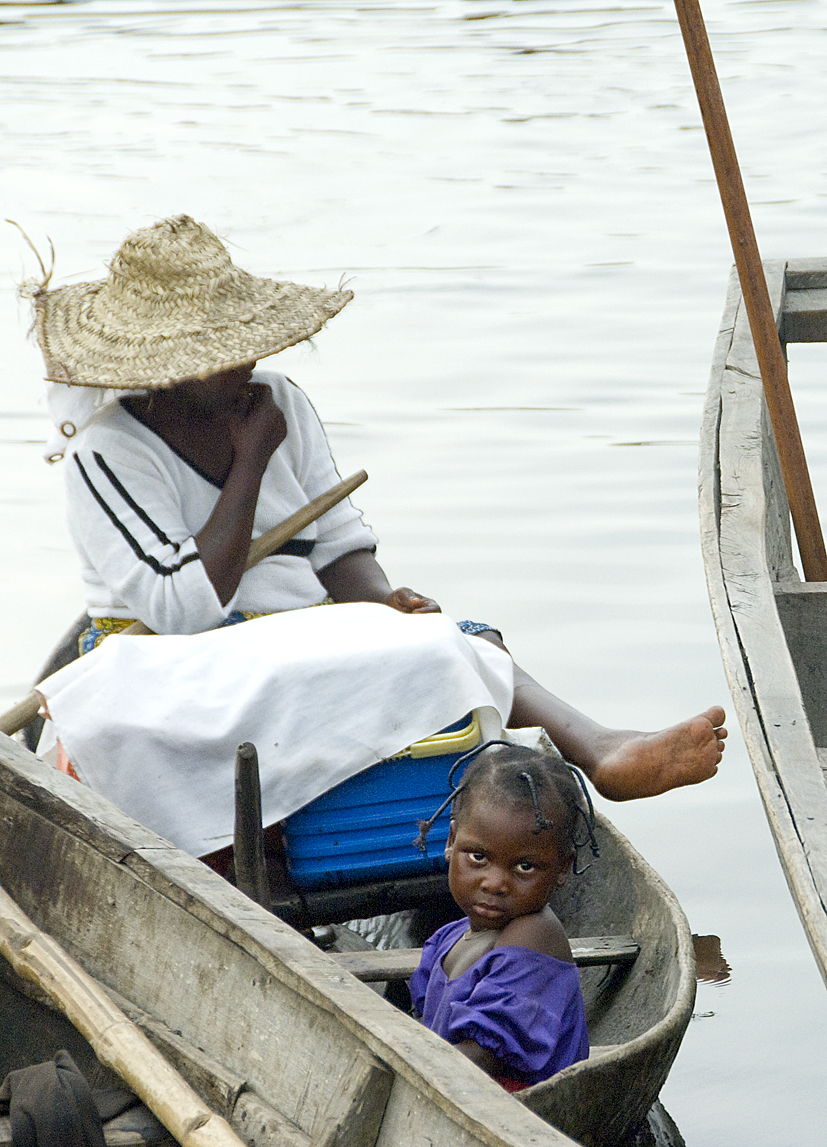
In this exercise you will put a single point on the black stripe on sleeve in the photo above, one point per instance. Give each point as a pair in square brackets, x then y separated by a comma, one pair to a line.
[133, 505]
[132, 542]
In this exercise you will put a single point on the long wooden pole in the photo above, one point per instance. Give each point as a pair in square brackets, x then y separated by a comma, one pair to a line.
[116, 1041]
[768, 350]
[26, 710]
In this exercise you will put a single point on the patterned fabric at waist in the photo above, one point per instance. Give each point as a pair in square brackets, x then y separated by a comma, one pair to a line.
[102, 627]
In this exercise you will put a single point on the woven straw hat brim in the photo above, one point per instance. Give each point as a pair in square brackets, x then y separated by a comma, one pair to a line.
[91, 336]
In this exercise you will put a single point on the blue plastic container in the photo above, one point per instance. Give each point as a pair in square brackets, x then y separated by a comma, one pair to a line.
[364, 828]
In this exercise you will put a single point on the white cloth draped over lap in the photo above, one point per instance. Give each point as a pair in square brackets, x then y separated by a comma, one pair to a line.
[153, 723]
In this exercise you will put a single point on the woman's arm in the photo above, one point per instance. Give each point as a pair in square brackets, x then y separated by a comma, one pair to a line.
[138, 556]
[357, 576]
[224, 541]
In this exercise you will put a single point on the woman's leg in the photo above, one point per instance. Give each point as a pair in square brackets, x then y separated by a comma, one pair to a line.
[622, 764]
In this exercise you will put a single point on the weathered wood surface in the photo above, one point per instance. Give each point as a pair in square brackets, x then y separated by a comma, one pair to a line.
[766, 618]
[20, 714]
[117, 1042]
[755, 293]
[625, 1015]
[322, 1057]
[209, 964]
[370, 965]
[248, 835]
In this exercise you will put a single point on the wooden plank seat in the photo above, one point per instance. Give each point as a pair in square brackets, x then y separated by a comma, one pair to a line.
[400, 963]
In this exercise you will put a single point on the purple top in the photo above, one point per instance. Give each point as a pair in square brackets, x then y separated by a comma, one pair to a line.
[524, 1006]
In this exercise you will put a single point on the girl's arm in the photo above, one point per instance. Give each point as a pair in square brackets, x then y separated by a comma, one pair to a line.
[482, 1057]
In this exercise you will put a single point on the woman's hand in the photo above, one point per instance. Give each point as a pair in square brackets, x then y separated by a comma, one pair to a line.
[357, 576]
[256, 427]
[406, 601]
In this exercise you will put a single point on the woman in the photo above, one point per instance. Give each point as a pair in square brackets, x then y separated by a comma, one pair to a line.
[190, 453]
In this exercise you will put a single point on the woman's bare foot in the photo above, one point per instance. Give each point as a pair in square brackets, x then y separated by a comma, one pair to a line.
[622, 764]
[634, 764]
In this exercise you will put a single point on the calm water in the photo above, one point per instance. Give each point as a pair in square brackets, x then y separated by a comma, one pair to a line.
[521, 195]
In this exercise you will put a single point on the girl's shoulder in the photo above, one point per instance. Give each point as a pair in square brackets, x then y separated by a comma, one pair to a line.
[539, 931]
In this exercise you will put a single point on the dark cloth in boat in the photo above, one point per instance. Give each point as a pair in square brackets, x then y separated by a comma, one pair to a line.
[51, 1105]
[524, 1006]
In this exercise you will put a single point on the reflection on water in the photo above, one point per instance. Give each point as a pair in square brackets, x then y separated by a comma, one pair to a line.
[522, 196]
[710, 964]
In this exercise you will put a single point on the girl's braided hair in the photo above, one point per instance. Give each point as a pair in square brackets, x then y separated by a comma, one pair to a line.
[523, 776]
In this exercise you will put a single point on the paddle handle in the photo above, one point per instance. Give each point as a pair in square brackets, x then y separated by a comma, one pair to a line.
[116, 1041]
[272, 540]
[25, 711]
[768, 350]
[20, 715]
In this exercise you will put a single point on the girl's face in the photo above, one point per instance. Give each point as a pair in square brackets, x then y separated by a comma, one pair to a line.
[498, 867]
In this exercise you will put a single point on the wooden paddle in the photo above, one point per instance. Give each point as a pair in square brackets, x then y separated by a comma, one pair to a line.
[768, 349]
[116, 1041]
[26, 710]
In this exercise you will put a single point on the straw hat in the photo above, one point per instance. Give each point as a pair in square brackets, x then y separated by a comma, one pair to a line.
[173, 307]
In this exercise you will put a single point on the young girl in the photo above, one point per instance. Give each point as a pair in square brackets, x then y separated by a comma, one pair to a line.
[500, 984]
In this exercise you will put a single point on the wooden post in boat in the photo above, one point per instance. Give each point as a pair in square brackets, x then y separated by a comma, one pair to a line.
[768, 348]
[248, 838]
[116, 1041]
[16, 718]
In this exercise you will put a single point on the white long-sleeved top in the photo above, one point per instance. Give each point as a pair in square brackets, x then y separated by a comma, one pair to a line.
[135, 506]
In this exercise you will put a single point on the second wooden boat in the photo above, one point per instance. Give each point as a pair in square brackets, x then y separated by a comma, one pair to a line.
[772, 626]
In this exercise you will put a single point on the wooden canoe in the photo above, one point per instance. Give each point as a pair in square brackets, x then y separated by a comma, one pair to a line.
[283, 1040]
[772, 626]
